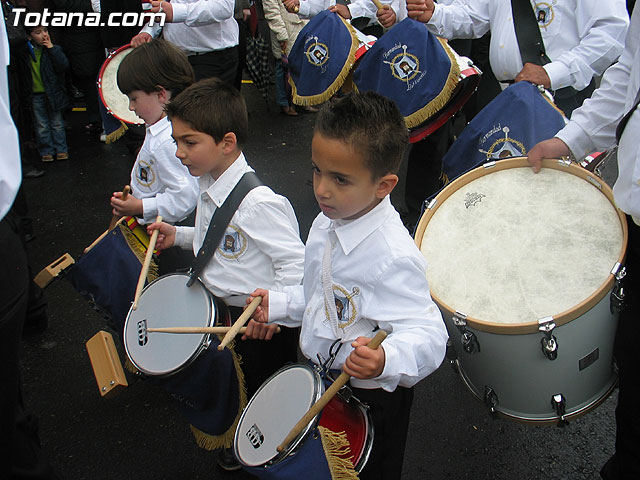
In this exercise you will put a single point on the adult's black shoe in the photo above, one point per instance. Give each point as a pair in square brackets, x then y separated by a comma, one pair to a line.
[33, 173]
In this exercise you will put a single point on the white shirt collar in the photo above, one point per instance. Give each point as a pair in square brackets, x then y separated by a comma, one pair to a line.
[159, 126]
[351, 233]
[218, 190]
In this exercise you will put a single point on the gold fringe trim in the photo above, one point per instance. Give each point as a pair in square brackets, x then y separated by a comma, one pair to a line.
[443, 97]
[337, 83]
[130, 367]
[552, 104]
[115, 135]
[139, 250]
[225, 440]
[444, 178]
[336, 447]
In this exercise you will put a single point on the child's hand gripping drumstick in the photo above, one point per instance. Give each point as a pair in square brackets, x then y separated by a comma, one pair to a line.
[147, 263]
[239, 323]
[317, 407]
[125, 193]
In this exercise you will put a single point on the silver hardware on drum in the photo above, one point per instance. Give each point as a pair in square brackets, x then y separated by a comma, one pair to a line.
[559, 405]
[469, 340]
[432, 204]
[564, 162]
[549, 342]
[490, 164]
[616, 299]
[490, 398]
[594, 182]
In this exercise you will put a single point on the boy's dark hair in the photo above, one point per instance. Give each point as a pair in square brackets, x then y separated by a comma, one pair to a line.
[155, 65]
[213, 107]
[371, 124]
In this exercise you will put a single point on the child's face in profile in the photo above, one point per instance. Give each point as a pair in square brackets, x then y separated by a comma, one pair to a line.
[39, 36]
[148, 106]
[343, 185]
[199, 152]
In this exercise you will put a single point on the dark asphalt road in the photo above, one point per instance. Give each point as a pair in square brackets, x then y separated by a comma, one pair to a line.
[139, 435]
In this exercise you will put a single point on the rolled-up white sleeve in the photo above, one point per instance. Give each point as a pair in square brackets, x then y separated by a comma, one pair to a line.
[602, 26]
[202, 12]
[416, 344]
[460, 20]
[287, 307]
[184, 237]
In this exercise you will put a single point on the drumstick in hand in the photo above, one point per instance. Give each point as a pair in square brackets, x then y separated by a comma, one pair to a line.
[378, 4]
[216, 330]
[239, 323]
[115, 218]
[317, 407]
[147, 263]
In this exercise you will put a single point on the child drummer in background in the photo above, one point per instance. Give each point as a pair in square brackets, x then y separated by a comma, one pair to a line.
[261, 244]
[361, 255]
[151, 76]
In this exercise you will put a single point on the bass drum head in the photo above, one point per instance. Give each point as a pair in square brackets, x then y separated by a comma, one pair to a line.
[168, 302]
[272, 412]
[117, 103]
[507, 247]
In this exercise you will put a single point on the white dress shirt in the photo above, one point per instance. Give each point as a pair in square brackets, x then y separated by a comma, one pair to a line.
[593, 126]
[10, 168]
[379, 279]
[357, 8]
[261, 246]
[581, 37]
[199, 26]
[158, 177]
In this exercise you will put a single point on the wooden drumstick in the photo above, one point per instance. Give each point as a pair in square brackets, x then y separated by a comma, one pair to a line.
[146, 264]
[378, 4]
[317, 407]
[216, 330]
[239, 323]
[104, 234]
[115, 218]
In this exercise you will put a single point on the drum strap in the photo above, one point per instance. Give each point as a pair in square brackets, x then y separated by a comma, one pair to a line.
[220, 221]
[623, 123]
[528, 33]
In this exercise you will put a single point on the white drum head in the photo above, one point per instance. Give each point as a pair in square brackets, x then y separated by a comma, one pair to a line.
[512, 247]
[168, 302]
[273, 411]
[116, 102]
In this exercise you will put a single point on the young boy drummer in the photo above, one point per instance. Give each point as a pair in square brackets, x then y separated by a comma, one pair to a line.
[363, 271]
[262, 242]
[151, 76]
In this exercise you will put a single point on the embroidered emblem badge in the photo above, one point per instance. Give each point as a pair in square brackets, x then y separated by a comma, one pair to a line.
[233, 244]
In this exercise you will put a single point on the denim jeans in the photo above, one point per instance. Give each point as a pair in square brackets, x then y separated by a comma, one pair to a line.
[281, 93]
[49, 127]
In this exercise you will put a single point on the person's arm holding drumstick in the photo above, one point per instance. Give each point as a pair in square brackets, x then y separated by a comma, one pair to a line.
[166, 234]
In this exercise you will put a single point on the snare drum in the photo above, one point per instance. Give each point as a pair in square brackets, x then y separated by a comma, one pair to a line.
[278, 405]
[522, 265]
[117, 103]
[167, 302]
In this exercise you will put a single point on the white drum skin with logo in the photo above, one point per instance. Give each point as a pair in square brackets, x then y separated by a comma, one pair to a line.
[521, 266]
[168, 302]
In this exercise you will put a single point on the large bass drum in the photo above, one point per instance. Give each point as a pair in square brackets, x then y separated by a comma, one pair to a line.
[523, 266]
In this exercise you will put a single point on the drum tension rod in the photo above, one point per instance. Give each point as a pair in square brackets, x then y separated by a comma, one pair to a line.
[469, 340]
[616, 299]
[490, 398]
[559, 405]
[549, 342]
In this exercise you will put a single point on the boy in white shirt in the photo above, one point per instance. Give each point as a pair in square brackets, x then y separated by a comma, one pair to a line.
[150, 76]
[360, 260]
[261, 244]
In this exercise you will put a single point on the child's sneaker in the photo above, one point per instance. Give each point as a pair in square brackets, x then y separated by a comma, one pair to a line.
[47, 158]
[62, 156]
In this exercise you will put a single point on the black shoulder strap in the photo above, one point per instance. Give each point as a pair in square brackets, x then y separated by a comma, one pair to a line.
[528, 33]
[219, 222]
[623, 122]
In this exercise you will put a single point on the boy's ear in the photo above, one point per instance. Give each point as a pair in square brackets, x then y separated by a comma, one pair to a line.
[164, 95]
[386, 185]
[230, 142]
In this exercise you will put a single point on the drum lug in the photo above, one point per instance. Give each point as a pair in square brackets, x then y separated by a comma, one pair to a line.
[548, 342]
[490, 398]
[616, 300]
[469, 340]
[559, 405]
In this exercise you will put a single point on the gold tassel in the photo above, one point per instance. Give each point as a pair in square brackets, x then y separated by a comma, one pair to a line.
[116, 134]
[444, 178]
[423, 114]
[139, 250]
[336, 447]
[129, 367]
[225, 440]
[337, 83]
